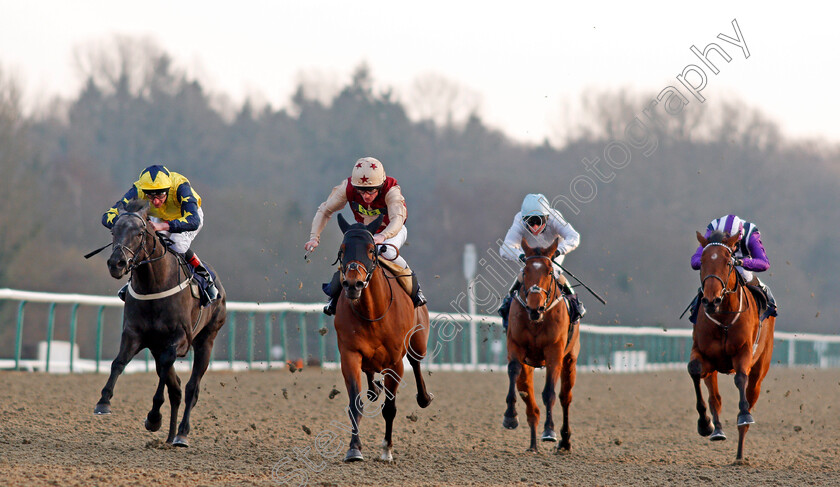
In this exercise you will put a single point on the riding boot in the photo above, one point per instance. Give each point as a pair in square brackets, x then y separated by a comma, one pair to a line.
[122, 291]
[333, 290]
[504, 309]
[771, 301]
[210, 290]
[694, 307]
[417, 295]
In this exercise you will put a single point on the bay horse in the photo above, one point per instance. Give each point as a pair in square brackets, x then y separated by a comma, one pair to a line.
[377, 325]
[540, 335]
[162, 315]
[728, 337]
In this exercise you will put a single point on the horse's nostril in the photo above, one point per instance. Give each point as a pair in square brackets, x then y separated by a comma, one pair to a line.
[360, 285]
[345, 284]
[704, 301]
[718, 300]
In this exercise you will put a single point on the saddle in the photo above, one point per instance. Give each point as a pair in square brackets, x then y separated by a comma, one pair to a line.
[198, 284]
[403, 275]
[760, 300]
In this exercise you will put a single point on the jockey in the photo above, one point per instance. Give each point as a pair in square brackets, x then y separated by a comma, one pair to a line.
[175, 211]
[370, 193]
[749, 257]
[540, 224]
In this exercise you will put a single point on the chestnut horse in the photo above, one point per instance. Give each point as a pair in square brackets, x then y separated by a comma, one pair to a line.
[728, 337]
[540, 335]
[162, 315]
[377, 325]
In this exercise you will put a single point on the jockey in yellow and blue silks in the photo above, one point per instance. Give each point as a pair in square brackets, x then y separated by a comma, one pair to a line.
[174, 210]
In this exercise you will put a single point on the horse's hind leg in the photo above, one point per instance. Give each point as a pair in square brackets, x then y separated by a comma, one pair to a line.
[129, 346]
[695, 370]
[514, 369]
[202, 347]
[173, 387]
[163, 362]
[389, 410]
[525, 384]
[415, 353]
[567, 379]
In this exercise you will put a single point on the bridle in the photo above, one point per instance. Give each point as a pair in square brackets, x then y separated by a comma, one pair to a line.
[369, 269]
[725, 291]
[131, 262]
[551, 296]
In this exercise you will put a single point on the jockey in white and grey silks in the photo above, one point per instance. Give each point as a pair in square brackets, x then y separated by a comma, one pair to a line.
[539, 224]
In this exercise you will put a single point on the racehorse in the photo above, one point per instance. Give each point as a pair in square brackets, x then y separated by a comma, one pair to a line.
[162, 315]
[728, 337]
[541, 335]
[377, 325]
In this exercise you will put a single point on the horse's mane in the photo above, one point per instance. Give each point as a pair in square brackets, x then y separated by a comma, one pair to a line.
[136, 205]
[717, 237]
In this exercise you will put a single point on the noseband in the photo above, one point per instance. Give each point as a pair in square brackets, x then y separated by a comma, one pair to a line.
[356, 264]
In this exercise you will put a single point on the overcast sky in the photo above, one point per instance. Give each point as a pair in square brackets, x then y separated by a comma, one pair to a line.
[528, 61]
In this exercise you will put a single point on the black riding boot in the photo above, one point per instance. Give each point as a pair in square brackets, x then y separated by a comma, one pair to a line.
[771, 301]
[694, 307]
[504, 309]
[210, 290]
[417, 296]
[333, 290]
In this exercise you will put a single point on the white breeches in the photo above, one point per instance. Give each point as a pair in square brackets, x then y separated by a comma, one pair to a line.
[181, 241]
[747, 275]
[397, 241]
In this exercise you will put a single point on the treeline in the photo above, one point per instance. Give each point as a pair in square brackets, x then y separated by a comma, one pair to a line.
[261, 172]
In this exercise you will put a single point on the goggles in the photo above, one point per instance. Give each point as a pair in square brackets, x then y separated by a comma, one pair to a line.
[367, 189]
[534, 220]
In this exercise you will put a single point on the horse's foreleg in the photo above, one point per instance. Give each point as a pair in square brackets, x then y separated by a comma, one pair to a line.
[553, 370]
[129, 346]
[173, 387]
[525, 384]
[567, 379]
[715, 404]
[745, 419]
[514, 369]
[389, 410]
[351, 369]
[163, 362]
[695, 370]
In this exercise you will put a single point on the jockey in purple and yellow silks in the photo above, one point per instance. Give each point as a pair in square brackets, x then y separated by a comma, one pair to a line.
[174, 210]
[750, 257]
[370, 193]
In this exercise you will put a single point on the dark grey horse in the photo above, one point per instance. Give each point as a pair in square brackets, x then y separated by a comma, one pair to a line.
[161, 317]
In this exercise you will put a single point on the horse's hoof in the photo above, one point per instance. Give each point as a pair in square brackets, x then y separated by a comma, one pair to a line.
[549, 435]
[424, 402]
[354, 455]
[745, 419]
[181, 441]
[741, 462]
[153, 426]
[533, 449]
[386, 453]
[704, 427]
[102, 409]
[564, 446]
[510, 422]
[718, 435]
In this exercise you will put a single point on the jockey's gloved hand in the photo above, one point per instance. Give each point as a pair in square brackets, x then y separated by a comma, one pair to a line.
[522, 258]
[738, 262]
[557, 253]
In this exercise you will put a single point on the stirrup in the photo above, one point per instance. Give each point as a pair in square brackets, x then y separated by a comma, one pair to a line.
[122, 291]
[329, 308]
[419, 299]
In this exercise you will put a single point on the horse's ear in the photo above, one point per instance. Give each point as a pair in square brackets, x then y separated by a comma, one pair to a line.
[342, 223]
[525, 247]
[553, 247]
[732, 241]
[702, 239]
[375, 224]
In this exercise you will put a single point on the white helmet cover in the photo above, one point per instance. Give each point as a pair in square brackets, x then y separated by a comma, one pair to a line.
[368, 172]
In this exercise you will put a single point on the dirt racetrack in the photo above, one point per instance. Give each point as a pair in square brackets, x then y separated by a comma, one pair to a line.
[628, 429]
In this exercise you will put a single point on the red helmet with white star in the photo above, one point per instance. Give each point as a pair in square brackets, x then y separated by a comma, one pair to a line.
[368, 172]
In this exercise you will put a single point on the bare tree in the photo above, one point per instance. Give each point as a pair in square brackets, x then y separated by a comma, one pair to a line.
[441, 100]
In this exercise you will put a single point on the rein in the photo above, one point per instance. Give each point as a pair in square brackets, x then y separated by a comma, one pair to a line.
[737, 288]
